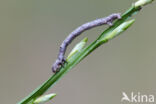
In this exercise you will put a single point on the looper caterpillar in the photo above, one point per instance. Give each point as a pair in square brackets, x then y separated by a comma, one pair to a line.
[98, 22]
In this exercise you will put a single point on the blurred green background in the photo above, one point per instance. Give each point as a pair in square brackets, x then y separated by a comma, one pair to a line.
[32, 30]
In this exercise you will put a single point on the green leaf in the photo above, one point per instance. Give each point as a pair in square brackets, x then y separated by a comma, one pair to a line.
[78, 47]
[121, 28]
[142, 2]
[44, 98]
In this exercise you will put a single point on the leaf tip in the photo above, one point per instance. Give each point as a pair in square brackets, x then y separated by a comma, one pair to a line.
[142, 3]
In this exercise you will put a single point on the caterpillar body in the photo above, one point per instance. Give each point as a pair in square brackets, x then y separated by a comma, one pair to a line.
[98, 22]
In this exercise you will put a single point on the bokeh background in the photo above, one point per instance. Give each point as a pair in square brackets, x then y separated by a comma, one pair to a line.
[32, 30]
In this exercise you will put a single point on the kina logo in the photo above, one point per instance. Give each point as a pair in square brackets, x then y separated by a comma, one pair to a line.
[137, 98]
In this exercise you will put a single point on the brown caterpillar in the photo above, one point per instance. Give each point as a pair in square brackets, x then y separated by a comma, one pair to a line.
[98, 22]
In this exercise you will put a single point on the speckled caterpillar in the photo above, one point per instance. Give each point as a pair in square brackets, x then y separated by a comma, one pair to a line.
[98, 22]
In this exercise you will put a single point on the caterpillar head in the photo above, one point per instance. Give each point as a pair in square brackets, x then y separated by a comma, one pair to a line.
[56, 66]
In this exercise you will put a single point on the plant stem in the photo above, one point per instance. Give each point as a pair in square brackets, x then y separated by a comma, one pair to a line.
[77, 58]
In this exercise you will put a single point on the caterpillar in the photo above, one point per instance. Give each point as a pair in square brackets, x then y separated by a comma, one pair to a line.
[98, 22]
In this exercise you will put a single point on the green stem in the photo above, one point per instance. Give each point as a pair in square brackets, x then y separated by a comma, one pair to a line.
[77, 58]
